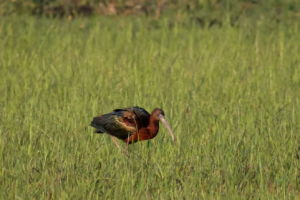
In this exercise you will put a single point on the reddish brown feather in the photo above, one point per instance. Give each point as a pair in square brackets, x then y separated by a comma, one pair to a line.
[145, 133]
[129, 122]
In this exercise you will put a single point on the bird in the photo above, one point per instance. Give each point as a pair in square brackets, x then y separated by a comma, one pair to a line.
[131, 124]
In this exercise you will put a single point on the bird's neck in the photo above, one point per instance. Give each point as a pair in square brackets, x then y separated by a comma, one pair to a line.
[153, 126]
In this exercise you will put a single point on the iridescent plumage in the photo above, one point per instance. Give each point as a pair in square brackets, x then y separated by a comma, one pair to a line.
[130, 124]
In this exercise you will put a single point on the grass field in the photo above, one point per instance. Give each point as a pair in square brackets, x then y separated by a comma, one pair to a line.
[230, 94]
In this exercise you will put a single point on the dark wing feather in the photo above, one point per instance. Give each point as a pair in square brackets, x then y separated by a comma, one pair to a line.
[142, 115]
[121, 123]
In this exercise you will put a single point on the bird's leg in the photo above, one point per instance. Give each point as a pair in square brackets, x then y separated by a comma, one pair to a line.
[113, 138]
[127, 148]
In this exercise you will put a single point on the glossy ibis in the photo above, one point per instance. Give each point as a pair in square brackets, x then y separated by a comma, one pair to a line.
[130, 124]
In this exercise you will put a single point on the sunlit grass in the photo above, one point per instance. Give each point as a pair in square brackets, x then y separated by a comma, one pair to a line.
[230, 94]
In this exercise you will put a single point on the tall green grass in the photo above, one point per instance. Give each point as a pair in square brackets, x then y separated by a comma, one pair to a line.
[230, 94]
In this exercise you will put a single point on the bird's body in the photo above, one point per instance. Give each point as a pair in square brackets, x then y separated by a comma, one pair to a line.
[130, 124]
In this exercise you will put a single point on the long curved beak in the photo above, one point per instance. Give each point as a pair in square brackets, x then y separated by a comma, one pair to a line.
[163, 120]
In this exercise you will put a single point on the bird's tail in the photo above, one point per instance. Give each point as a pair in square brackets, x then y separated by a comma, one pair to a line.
[97, 124]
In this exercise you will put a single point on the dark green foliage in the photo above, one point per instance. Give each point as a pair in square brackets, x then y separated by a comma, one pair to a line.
[208, 10]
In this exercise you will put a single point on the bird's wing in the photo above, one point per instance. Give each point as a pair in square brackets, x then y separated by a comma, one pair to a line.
[121, 123]
[142, 115]
[137, 114]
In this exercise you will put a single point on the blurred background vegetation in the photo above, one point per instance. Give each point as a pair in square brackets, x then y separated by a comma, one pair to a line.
[231, 95]
[208, 12]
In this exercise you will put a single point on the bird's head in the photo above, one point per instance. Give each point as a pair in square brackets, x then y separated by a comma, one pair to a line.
[160, 115]
[157, 113]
